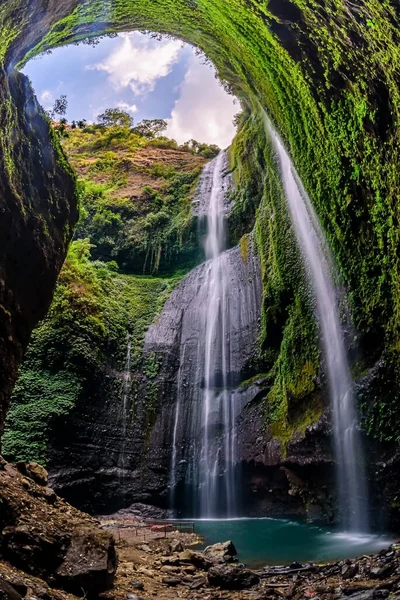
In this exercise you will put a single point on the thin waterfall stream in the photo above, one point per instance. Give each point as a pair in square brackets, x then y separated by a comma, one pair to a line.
[217, 351]
[350, 464]
[126, 384]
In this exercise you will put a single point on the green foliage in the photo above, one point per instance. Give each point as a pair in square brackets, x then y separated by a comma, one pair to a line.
[150, 128]
[328, 74]
[93, 310]
[205, 150]
[115, 117]
[155, 233]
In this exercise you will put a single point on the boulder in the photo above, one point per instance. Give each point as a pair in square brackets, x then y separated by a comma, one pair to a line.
[89, 563]
[232, 578]
[34, 471]
[176, 546]
[169, 569]
[171, 581]
[221, 553]
[198, 559]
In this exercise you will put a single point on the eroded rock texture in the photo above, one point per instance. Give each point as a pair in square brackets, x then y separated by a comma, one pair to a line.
[44, 536]
[117, 446]
[37, 215]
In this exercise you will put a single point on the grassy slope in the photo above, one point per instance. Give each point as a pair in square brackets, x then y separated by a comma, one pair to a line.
[136, 199]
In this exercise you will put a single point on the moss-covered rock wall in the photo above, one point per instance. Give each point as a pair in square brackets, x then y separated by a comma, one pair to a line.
[328, 76]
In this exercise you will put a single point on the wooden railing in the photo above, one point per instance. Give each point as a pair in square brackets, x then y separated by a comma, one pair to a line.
[168, 525]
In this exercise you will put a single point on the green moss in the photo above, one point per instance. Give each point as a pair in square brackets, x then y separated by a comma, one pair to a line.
[328, 74]
[244, 247]
[93, 312]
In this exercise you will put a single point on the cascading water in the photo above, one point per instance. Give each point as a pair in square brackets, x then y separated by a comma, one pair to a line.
[351, 479]
[220, 316]
[216, 358]
[126, 384]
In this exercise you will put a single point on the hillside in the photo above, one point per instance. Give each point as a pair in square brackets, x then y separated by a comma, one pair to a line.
[135, 239]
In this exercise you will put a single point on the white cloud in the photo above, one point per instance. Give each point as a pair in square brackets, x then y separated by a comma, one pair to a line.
[139, 62]
[131, 108]
[204, 111]
[47, 99]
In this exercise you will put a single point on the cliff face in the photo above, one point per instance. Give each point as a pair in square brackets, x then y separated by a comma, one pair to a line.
[329, 78]
[38, 213]
[118, 441]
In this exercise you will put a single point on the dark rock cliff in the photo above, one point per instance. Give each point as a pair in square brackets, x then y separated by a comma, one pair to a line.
[116, 447]
[329, 75]
[37, 215]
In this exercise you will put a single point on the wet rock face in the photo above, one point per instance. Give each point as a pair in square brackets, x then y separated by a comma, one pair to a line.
[105, 458]
[38, 211]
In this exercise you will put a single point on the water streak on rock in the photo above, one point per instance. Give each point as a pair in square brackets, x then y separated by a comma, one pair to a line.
[352, 488]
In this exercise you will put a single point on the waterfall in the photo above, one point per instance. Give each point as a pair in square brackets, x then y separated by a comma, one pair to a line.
[126, 384]
[216, 353]
[350, 466]
[210, 351]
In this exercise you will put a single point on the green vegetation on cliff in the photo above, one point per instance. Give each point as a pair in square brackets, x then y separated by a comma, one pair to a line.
[135, 198]
[289, 351]
[135, 219]
[94, 309]
[328, 75]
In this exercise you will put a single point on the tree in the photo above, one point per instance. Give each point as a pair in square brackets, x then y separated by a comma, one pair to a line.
[151, 128]
[115, 117]
[205, 150]
[60, 106]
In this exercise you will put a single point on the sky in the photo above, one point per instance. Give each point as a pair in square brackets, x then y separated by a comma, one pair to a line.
[149, 78]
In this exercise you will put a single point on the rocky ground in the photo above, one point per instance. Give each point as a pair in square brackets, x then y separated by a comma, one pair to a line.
[50, 551]
[170, 568]
[45, 543]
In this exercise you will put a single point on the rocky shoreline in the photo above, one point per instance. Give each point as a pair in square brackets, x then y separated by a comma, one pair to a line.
[168, 568]
[51, 551]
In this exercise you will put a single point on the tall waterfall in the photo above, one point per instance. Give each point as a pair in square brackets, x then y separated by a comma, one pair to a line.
[351, 478]
[216, 354]
[217, 324]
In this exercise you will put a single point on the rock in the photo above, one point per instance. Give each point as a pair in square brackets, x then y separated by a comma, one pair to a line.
[176, 546]
[89, 563]
[221, 553]
[169, 569]
[133, 597]
[34, 471]
[366, 595]
[190, 569]
[382, 572]
[171, 581]
[138, 509]
[137, 585]
[145, 548]
[53, 540]
[198, 583]
[145, 571]
[198, 559]
[232, 578]
[354, 588]
[170, 560]
[349, 571]
[8, 592]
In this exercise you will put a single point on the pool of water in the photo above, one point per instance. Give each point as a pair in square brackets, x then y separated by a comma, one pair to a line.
[279, 541]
